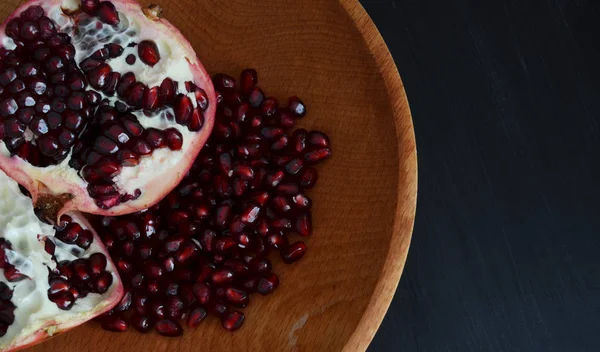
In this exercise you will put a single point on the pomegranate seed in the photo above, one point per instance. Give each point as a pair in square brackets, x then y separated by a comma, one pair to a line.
[142, 323]
[256, 97]
[270, 107]
[98, 78]
[304, 224]
[183, 109]
[130, 59]
[293, 252]
[308, 177]
[224, 83]
[174, 139]
[114, 324]
[202, 293]
[124, 86]
[136, 95]
[125, 302]
[222, 276]
[249, 79]
[169, 328]
[233, 320]
[97, 263]
[148, 52]
[237, 297]
[195, 316]
[175, 307]
[64, 301]
[107, 13]
[297, 107]
[277, 240]
[58, 286]
[317, 156]
[268, 284]
[49, 246]
[167, 91]
[103, 282]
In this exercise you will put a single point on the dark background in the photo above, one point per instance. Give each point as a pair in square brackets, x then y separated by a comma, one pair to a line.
[505, 97]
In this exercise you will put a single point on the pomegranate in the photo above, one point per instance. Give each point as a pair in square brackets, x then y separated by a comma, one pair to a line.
[204, 249]
[103, 105]
[53, 278]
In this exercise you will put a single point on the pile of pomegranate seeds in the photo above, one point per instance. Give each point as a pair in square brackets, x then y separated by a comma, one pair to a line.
[205, 248]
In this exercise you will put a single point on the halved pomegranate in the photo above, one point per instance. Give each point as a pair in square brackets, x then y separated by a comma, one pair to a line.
[103, 105]
[53, 278]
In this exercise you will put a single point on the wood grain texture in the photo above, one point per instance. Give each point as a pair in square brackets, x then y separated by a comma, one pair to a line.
[330, 53]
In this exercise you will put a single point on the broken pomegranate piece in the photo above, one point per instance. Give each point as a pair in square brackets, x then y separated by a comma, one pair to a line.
[205, 248]
[53, 278]
[103, 105]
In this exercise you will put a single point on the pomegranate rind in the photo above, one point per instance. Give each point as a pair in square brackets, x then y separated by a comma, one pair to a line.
[27, 331]
[71, 193]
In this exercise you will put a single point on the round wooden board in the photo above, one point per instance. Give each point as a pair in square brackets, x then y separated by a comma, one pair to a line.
[329, 53]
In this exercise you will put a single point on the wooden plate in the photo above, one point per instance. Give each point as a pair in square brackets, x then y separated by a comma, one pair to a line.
[330, 54]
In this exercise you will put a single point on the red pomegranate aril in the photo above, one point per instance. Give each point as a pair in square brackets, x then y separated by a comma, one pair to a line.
[195, 316]
[97, 263]
[148, 52]
[233, 321]
[142, 148]
[317, 156]
[256, 97]
[304, 224]
[58, 286]
[261, 266]
[318, 139]
[222, 276]
[277, 240]
[302, 202]
[308, 177]
[124, 86]
[63, 301]
[131, 59]
[274, 178]
[183, 109]
[248, 80]
[236, 297]
[125, 302]
[174, 139]
[268, 284]
[224, 83]
[157, 309]
[85, 239]
[136, 95]
[168, 91]
[297, 107]
[186, 252]
[150, 99]
[270, 107]
[202, 292]
[142, 323]
[114, 324]
[169, 328]
[98, 78]
[107, 13]
[293, 252]
[174, 307]
[112, 82]
[114, 50]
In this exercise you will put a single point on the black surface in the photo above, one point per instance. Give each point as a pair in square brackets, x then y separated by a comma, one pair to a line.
[505, 97]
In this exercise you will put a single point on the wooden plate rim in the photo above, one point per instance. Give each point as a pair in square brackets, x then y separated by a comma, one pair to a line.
[393, 266]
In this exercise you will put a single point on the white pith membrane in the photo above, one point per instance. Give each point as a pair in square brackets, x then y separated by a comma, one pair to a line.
[178, 62]
[35, 315]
